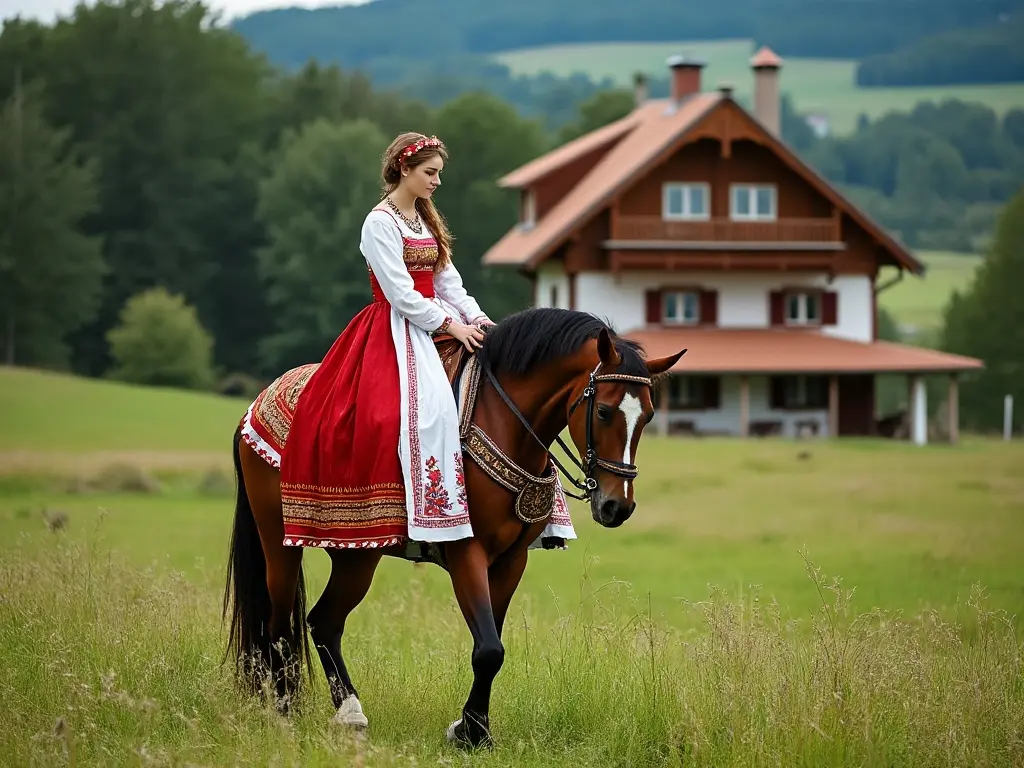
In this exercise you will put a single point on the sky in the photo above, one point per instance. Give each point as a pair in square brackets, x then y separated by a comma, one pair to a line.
[48, 10]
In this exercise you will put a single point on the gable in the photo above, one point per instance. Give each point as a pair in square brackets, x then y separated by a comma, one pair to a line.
[661, 141]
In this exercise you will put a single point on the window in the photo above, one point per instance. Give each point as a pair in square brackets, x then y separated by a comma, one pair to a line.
[686, 201]
[804, 392]
[685, 392]
[752, 202]
[554, 296]
[529, 210]
[681, 307]
[803, 308]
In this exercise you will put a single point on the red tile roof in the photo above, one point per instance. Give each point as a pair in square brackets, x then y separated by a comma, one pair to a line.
[561, 156]
[655, 127]
[768, 350]
[643, 138]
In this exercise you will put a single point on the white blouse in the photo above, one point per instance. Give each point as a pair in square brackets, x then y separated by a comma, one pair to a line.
[382, 246]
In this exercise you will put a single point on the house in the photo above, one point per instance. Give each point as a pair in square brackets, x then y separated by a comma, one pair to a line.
[690, 223]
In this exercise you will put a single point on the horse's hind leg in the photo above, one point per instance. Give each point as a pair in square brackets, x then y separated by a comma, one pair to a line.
[284, 642]
[351, 574]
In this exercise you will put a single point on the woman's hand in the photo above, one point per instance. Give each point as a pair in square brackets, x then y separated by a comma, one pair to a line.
[470, 336]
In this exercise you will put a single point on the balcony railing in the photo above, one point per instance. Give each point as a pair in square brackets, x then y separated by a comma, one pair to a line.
[727, 230]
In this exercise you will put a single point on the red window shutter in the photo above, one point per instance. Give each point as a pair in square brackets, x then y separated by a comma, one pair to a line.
[777, 308]
[712, 392]
[653, 300]
[777, 395]
[709, 307]
[829, 308]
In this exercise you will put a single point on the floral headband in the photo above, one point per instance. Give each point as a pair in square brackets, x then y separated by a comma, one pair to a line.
[412, 149]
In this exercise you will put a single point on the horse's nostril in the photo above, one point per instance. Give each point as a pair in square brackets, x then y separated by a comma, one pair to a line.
[608, 508]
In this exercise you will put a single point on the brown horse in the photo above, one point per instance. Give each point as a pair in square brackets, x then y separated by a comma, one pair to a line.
[539, 367]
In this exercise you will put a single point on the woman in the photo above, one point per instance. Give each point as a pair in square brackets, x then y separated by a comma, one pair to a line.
[375, 433]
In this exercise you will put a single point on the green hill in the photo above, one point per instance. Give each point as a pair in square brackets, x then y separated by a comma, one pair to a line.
[46, 412]
[826, 86]
[916, 303]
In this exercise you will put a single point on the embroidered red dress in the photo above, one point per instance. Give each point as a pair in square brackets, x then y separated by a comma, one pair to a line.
[369, 446]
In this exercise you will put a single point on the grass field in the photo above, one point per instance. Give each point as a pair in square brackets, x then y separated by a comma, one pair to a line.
[697, 634]
[917, 303]
[816, 85]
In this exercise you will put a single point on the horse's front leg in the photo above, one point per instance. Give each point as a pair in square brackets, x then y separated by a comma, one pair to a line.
[468, 567]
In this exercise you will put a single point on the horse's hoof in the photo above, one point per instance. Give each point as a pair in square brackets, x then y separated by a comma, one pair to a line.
[477, 736]
[350, 714]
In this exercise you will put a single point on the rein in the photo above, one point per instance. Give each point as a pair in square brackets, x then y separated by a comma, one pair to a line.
[591, 460]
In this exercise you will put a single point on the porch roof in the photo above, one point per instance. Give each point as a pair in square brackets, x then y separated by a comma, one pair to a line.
[770, 350]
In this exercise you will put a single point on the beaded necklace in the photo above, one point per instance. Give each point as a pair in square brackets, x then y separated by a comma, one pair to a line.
[416, 226]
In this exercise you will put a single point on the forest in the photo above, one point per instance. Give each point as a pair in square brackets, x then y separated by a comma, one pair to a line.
[160, 179]
[357, 35]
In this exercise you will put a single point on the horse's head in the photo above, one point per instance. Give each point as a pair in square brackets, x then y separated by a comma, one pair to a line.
[606, 421]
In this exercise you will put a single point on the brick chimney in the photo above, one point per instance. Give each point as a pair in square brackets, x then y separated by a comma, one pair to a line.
[767, 106]
[685, 79]
[639, 89]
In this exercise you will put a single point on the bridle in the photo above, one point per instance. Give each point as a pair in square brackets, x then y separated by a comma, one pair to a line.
[591, 460]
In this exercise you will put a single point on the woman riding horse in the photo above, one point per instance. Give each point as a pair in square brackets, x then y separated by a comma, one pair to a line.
[363, 452]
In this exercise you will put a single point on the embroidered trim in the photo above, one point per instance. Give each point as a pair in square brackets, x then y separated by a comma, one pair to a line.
[535, 496]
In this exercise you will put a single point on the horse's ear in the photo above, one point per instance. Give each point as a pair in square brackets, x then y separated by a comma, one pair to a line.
[606, 350]
[662, 365]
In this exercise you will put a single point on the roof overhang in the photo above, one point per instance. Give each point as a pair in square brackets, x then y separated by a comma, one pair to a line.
[769, 351]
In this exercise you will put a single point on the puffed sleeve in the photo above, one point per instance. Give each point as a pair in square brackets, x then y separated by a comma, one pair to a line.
[381, 245]
[448, 285]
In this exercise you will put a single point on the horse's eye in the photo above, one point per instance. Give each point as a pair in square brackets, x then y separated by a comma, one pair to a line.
[604, 413]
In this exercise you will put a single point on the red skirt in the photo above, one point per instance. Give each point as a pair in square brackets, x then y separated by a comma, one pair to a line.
[341, 474]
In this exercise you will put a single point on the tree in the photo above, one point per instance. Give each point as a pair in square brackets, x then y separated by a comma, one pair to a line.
[165, 100]
[324, 182]
[599, 110]
[160, 341]
[486, 139]
[987, 321]
[50, 272]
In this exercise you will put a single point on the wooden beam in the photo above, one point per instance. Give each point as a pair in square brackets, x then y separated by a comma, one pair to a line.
[953, 402]
[744, 406]
[833, 406]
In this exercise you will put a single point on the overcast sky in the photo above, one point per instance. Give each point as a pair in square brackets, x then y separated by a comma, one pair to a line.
[48, 10]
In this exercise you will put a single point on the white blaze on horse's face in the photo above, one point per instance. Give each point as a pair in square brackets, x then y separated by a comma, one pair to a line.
[632, 410]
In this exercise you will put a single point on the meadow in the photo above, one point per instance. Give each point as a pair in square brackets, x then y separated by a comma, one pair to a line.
[825, 86]
[917, 303]
[771, 602]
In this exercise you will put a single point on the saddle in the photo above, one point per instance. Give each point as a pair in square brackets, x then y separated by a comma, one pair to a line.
[453, 354]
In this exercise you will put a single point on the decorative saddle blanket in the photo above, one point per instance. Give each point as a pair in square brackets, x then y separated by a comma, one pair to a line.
[536, 497]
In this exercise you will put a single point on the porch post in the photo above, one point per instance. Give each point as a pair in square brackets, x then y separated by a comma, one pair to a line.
[953, 403]
[744, 406]
[663, 391]
[918, 410]
[833, 406]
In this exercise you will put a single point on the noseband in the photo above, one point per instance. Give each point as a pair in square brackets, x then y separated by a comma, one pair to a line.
[591, 460]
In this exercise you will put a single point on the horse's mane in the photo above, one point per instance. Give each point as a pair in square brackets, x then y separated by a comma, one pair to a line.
[531, 338]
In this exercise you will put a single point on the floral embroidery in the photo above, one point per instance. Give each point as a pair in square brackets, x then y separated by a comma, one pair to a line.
[460, 480]
[436, 499]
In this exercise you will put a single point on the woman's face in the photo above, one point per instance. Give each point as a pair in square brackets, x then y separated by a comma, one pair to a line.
[425, 177]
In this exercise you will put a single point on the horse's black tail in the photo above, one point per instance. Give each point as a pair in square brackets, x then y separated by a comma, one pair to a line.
[247, 598]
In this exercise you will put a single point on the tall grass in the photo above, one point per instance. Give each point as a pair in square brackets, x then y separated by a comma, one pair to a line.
[105, 663]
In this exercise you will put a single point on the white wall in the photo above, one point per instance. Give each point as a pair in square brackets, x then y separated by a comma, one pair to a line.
[726, 419]
[551, 278]
[742, 297]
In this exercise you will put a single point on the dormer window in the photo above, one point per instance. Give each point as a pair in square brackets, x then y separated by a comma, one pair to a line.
[688, 201]
[529, 210]
[752, 202]
[680, 307]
